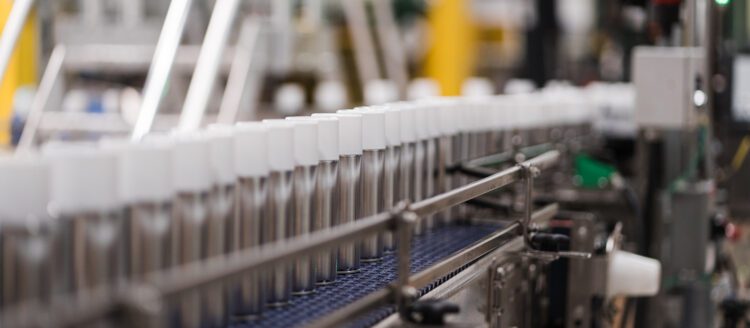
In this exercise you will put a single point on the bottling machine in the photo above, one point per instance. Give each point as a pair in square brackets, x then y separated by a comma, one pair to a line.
[429, 212]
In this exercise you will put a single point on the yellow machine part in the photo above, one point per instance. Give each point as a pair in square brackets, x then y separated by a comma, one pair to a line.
[451, 57]
[22, 69]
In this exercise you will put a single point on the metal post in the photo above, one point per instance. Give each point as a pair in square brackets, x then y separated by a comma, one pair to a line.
[46, 87]
[245, 74]
[364, 50]
[405, 293]
[11, 31]
[207, 67]
[161, 66]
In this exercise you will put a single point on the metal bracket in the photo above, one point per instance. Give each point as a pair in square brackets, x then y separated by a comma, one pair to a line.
[529, 173]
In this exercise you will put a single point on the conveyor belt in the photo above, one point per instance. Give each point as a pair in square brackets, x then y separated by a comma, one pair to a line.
[427, 250]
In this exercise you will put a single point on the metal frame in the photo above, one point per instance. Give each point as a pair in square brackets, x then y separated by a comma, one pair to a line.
[143, 301]
[161, 65]
[19, 13]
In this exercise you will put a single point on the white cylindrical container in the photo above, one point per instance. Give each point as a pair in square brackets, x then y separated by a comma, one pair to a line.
[305, 174]
[252, 169]
[390, 167]
[145, 184]
[371, 179]
[193, 181]
[279, 209]
[419, 174]
[350, 163]
[27, 236]
[84, 197]
[325, 197]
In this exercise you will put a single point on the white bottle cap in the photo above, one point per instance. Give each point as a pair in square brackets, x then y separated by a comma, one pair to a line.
[380, 92]
[251, 149]
[145, 169]
[421, 121]
[328, 136]
[373, 128]
[289, 98]
[423, 88]
[25, 188]
[350, 132]
[330, 96]
[221, 145]
[83, 178]
[433, 118]
[191, 162]
[447, 114]
[280, 145]
[477, 87]
[630, 274]
[392, 125]
[408, 122]
[305, 142]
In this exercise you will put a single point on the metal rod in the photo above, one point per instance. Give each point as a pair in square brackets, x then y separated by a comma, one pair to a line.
[244, 82]
[161, 66]
[199, 275]
[364, 49]
[361, 306]
[46, 87]
[394, 55]
[11, 31]
[207, 67]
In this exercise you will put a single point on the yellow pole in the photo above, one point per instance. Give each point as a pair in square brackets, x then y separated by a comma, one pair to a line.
[451, 55]
[22, 69]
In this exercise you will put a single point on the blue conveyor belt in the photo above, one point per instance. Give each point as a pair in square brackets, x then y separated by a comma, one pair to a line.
[427, 250]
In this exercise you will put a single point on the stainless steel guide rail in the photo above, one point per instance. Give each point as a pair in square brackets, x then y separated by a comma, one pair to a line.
[140, 304]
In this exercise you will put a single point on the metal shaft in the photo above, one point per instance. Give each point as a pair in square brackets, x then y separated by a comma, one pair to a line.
[150, 240]
[304, 184]
[276, 228]
[25, 264]
[371, 179]
[349, 189]
[251, 198]
[325, 208]
[390, 189]
[418, 180]
[430, 163]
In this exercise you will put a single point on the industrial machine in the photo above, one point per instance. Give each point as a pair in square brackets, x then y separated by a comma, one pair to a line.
[297, 165]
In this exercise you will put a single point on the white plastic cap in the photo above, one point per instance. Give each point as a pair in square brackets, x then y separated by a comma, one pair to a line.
[477, 87]
[289, 98]
[145, 169]
[432, 108]
[305, 142]
[83, 178]
[330, 96]
[280, 145]
[191, 162]
[392, 125]
[25, 188]
[251, 149]
[423, 88]
[421, 121]
[447, 114]
[380, 92]
[328, 136]
[630, 274]
[373, 128]
[350, 132]
[408, 122]
[221, 145]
